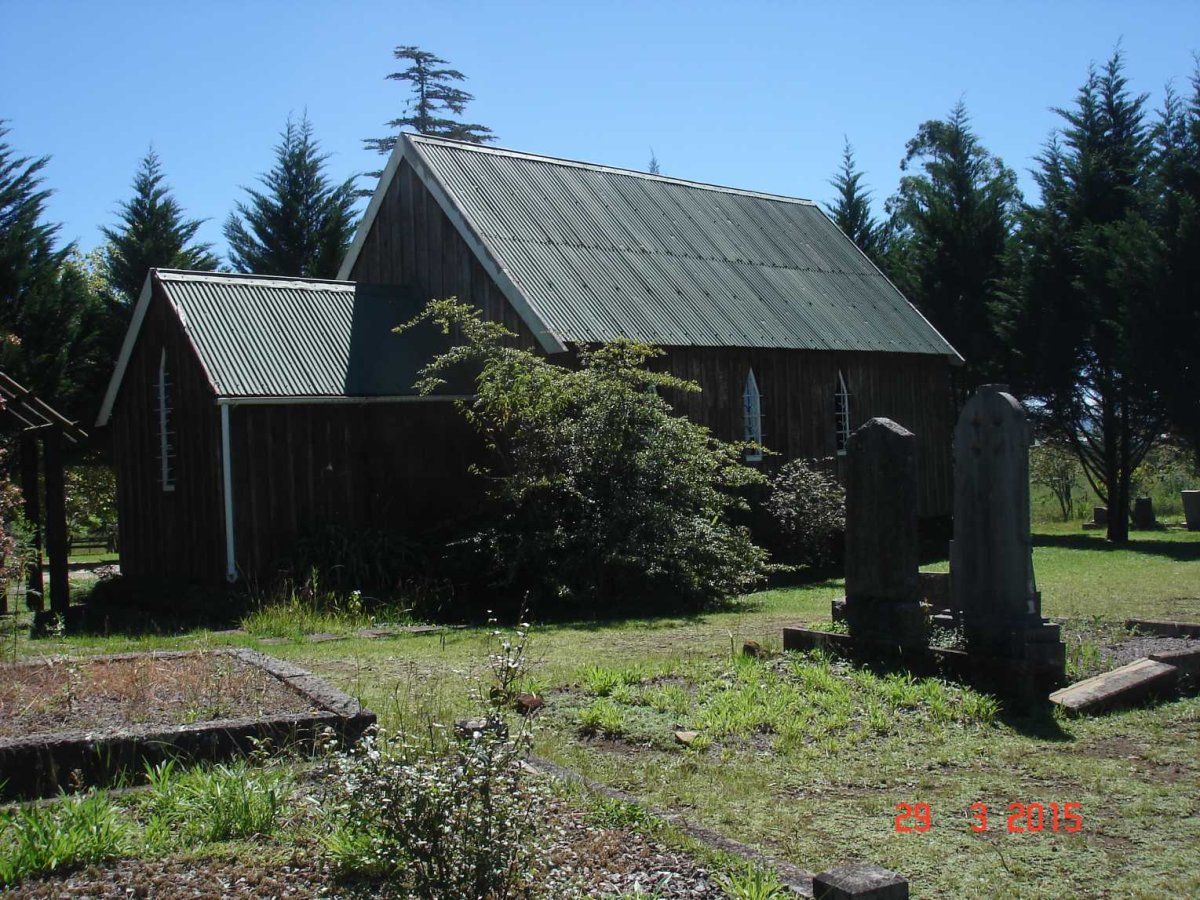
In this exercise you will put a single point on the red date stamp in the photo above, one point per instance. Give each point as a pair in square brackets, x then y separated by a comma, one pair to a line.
[1021, 818]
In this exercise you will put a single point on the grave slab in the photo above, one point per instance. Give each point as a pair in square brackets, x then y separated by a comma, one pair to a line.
[1118, 689]
[1186, 659]
[1164, 628]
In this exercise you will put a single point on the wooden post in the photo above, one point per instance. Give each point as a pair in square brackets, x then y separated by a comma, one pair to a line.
[56, 523]
[35, 597]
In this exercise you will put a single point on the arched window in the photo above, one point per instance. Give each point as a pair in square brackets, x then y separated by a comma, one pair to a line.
[841, 414]
[166, 433]
[752, 415]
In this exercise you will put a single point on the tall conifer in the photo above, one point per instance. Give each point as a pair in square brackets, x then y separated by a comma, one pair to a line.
[152, 233]
[951, 228]
[851, 212]
[1093, 260]
[300, 224]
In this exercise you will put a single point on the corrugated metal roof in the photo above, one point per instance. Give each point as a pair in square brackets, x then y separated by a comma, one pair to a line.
[600, 253]
[272, 337]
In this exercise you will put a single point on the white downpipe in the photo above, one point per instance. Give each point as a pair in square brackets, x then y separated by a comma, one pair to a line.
[227, 472]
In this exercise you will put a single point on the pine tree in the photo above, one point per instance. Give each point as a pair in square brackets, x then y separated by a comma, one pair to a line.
[1177, 313]
[1091, 279]
[654, 168]
[49, 316]
[300, 224]
[152, 233]
[28, 259]
[432, 105]
[951, 229]
[852, 210]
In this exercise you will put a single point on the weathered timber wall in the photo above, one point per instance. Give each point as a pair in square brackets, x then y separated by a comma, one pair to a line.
[797, 388]
[177, 533]
[413, 243]
[395, 466]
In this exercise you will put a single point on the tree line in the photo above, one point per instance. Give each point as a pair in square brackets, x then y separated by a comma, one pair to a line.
[1085, 301]
[64, 313]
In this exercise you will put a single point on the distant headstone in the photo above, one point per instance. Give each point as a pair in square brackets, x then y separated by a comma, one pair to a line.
[1191, 509]
[882, 594]
[1143, 514]
[991, 556]
[1099, 519]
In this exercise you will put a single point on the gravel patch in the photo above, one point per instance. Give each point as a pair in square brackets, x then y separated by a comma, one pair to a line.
[1126, 651]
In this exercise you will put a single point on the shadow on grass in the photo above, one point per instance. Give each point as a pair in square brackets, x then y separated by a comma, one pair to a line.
[119, 607]
[1039, 723]
[665, 619]
[1179, 551]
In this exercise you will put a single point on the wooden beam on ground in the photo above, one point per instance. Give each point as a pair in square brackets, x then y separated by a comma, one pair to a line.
[56, 523]
[34, 586]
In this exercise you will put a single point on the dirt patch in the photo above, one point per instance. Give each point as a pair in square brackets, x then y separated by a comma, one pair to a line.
[579, 858]
[73, 694]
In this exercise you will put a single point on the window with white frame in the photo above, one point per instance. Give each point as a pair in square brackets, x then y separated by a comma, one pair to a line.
[841, 415]
[752, 415]
[166, 432]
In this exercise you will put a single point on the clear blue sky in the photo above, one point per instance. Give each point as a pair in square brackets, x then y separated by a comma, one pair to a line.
[750, 94]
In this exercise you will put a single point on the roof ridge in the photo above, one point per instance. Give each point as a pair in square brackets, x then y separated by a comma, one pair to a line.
[265, 280]
[612, 170]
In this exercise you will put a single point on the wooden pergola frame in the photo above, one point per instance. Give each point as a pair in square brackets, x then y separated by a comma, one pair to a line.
[37, 420]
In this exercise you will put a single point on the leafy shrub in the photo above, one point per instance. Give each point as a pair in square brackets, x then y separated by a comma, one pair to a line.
[75, 831]
[1053, 466]
[1167, 469]
[604, 499]
[16, 549]
[455, 824]
[808, 507]
[91, 498]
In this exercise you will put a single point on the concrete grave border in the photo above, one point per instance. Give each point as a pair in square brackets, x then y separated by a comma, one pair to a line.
[42, 765]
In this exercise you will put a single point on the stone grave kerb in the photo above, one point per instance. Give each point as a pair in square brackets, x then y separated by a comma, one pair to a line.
[882, 592]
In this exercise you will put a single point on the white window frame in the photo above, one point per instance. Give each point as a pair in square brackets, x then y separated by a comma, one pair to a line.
[752, 415]
[166, 447]
[841, 415]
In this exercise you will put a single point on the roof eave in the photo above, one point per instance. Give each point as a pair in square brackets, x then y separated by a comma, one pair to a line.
[118, 375]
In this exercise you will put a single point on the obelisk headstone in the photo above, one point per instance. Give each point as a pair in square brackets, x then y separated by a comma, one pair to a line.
[882, 597]
[991, 557]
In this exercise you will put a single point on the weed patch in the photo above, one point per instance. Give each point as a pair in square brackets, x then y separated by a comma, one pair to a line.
[76, 831]
[214, 803]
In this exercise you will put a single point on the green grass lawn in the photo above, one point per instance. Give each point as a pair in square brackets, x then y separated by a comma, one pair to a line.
[808, 759]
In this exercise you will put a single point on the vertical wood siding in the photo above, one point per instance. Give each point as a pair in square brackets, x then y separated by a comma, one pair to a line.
[393, 466]
[413, 243]
[797, 388]
[177, 533]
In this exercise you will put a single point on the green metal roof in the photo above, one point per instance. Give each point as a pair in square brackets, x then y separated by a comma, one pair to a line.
[284, 337]
[598, 253]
